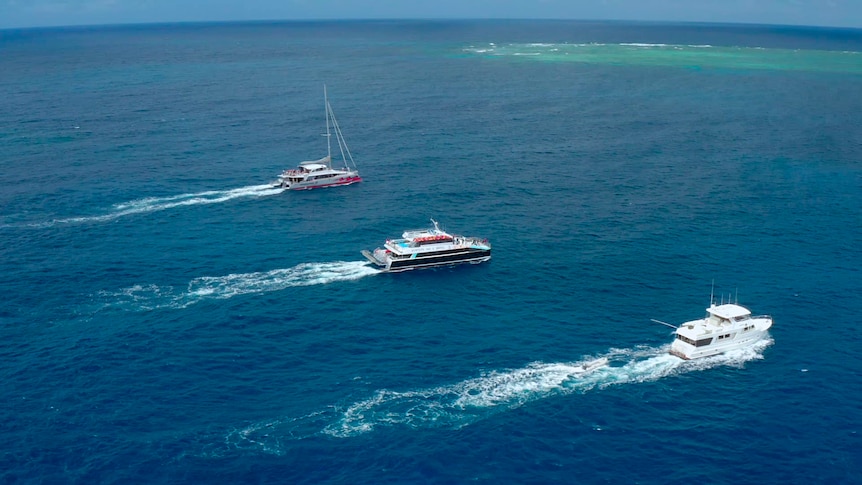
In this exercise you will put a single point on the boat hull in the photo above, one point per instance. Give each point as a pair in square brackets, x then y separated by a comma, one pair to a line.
[396, 265]
[690, 352]
[318, 185]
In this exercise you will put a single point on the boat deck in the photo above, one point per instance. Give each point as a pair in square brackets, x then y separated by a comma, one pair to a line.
[370, 257]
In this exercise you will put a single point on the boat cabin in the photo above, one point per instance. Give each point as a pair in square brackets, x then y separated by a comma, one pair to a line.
[306, 167]
[721, 323]
[726, 314]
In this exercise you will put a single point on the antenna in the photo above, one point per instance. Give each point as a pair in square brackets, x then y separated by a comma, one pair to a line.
[328, 136]
[663, 323]
[712, 294]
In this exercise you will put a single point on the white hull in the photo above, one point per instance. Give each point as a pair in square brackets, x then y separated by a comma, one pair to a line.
[292, 182]
[689, 352]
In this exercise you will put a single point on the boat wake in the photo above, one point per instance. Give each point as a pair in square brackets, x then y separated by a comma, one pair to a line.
[463, 403]
[150, 297]
[154, 204]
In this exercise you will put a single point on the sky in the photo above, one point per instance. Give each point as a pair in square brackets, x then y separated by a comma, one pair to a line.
[42, 13]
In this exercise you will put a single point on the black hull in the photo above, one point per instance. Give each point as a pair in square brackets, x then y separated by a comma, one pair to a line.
[471, 256]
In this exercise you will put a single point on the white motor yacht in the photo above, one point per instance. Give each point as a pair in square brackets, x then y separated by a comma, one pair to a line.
[725, 327]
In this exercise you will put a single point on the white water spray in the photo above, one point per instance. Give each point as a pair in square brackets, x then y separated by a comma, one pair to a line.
[466, 402]
[154, 204]
[149, 297]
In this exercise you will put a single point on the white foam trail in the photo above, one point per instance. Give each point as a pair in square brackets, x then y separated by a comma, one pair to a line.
[153, 204]
[467, 401]
[149, 297]
[474, 399]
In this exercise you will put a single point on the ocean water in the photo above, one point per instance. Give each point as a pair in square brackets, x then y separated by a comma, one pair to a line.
[168, 317]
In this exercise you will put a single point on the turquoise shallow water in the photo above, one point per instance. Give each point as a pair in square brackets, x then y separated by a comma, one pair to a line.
[676, 55]
[168, 317]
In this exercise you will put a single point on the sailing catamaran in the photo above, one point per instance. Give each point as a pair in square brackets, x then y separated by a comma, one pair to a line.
[320, 173]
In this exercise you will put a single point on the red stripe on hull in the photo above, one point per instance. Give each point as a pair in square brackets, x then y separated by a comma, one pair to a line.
[345, 182]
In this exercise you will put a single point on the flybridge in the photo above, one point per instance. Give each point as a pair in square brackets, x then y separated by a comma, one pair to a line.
[441, 238]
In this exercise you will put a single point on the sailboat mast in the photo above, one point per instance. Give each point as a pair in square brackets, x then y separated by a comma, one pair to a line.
[328, 143]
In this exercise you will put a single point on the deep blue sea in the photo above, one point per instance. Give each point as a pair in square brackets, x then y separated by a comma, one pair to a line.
[168, 317]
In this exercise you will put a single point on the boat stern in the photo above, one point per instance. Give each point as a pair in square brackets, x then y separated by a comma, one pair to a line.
[679, 353]
[378, 257]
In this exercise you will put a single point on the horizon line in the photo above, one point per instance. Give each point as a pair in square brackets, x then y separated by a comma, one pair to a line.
[424, 19]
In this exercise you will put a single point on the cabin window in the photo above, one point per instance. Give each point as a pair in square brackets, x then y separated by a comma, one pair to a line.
[685, 339]
[703, 342]
[739, 319]
[722, 337]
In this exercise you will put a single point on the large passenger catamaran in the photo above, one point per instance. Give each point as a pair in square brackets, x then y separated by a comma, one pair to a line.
[426, 248]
